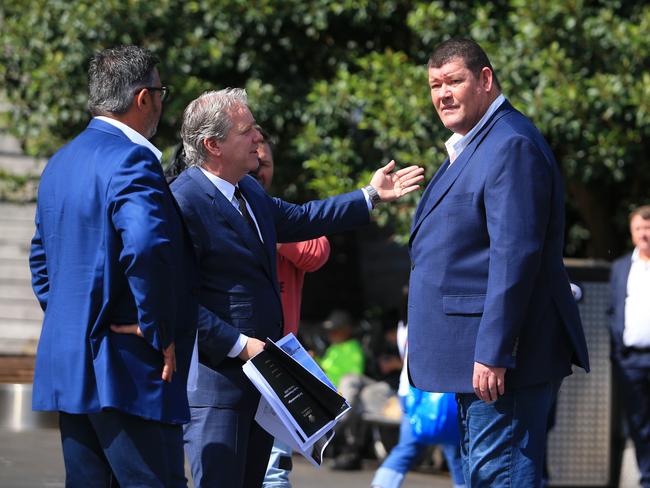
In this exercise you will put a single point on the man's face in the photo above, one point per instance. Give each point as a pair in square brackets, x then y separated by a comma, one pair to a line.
[264, 173]
[155, 111]
[459, 97]
[640, 231]
[239, 148]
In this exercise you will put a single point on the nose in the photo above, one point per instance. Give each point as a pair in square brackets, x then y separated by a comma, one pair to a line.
[257, 137]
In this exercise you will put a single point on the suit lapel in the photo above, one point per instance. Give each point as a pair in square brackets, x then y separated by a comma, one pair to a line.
[232, 216]
[443, 181]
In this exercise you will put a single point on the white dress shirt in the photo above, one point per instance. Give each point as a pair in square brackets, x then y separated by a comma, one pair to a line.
[228, 191]
[457, 143]
[133, 135]
[637, 304]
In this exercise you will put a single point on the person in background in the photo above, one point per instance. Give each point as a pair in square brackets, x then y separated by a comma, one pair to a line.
[630, 335]
[408, 451]
[344, 355]
[294, 259]
[113, 271]
[367, 394]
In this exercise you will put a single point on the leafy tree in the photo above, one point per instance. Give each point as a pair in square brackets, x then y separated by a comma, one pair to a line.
[343, 83]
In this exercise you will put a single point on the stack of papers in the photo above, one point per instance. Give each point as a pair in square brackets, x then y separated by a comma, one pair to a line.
[299, 404]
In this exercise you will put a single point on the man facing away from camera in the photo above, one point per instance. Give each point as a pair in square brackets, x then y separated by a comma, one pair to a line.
[112, 270]
[491, 315]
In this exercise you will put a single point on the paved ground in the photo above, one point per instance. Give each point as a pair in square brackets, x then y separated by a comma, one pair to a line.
[32, 459]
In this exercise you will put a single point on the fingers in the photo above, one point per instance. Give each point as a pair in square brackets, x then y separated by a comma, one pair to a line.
[416, 170]
[488, 382]
[127, 329]
[389, 167]
[169, 360]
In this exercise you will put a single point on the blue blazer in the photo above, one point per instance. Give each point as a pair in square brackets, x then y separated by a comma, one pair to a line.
[487, 281]
[109, 247]
[618, 293]
[239, 284]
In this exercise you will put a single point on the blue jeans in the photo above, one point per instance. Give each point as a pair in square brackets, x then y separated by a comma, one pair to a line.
[277, 472]
[406, 453]
[503, 443]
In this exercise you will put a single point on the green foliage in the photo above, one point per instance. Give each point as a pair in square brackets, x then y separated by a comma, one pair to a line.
[343, 84]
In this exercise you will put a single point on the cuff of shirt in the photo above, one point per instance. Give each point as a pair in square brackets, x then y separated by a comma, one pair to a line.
[238, 347]
[367, 197]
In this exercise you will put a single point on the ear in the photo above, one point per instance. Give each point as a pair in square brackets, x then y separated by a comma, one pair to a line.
[212, 146]
[485, 79]
[141, 98]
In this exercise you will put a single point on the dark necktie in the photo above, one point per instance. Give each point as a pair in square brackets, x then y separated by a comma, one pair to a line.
[244, 211]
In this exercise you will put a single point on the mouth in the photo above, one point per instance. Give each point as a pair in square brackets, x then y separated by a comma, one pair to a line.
[448, 109]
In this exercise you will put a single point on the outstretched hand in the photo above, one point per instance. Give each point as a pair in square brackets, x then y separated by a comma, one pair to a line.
[169, 353]
[393, 185]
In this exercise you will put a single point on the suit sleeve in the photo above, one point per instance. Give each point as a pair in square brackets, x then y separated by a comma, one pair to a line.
[615, 312]
[517, 201]
[38, 266]
[140, 209]
[319, 217]
[216, 337]
[307, 256]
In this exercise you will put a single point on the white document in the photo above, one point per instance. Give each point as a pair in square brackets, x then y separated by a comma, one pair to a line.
[273, 416]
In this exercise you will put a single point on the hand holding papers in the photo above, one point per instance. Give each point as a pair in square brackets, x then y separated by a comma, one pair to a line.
[299, 404]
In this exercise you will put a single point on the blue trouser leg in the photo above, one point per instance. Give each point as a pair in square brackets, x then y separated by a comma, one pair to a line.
[503, 442]
[139, 452]
[279, 468]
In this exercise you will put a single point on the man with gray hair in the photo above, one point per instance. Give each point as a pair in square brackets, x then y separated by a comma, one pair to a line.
[108, 258]
[235, 226]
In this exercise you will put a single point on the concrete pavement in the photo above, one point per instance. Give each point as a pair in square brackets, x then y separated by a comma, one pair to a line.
[32, 459]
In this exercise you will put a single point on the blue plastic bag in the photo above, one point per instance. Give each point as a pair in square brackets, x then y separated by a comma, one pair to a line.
[433, 417]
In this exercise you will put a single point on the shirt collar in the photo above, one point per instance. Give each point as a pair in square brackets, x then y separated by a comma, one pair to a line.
[225, 187]
[458, 142]
[133, 135]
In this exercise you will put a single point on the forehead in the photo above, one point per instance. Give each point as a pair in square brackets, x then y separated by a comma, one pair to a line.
[638, 220]
[241, 117]
[451, 67]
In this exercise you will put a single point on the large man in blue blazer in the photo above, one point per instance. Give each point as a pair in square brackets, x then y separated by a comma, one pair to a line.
[630, 335]
[113, 271]
[491, 315]
[235, 226]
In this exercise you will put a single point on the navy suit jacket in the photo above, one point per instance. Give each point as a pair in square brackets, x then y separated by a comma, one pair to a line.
[109, 248]
[487, 281]
[618, 293]
[239, 283]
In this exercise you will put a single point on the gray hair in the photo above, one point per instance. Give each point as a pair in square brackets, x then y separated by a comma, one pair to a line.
[115, 75]
[210, 115]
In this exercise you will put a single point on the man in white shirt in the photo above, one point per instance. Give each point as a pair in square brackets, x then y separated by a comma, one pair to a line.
[630, 335]
[112, 271]
[235, 226]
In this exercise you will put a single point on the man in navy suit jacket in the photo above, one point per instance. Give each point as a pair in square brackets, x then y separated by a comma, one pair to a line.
[491, 315]
[235, 226]
[630, 334]
[108, 258]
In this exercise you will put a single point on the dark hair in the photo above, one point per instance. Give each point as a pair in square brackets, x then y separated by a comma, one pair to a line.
[268, 138]
[176, 164]
[468, 50]
[115, 75]
[643, 212]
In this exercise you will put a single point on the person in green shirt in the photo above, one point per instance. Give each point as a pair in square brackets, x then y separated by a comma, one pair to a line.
[345, 354]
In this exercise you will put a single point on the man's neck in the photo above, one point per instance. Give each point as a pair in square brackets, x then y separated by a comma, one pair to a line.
[644, 255]
[130, 120]
[222, 172]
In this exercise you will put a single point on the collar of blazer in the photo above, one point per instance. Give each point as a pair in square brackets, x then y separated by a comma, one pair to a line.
[444, 178]
[221, 204]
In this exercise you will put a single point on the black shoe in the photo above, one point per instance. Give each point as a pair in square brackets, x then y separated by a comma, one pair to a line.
[346, 462]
